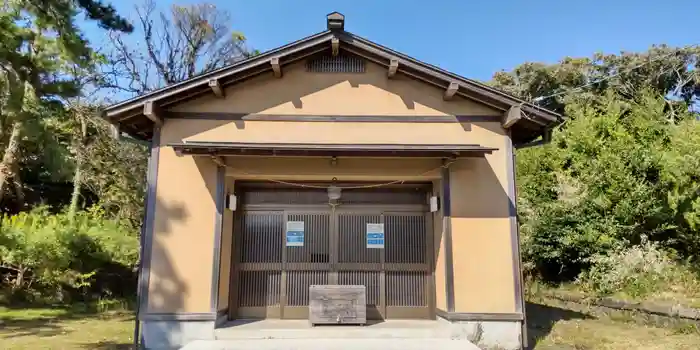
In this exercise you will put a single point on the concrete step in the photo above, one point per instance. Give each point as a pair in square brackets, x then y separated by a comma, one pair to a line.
[335, 344]
[300, 329]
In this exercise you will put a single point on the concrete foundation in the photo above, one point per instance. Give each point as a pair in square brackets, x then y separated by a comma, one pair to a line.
[293, 334]
[167, 335]
[301, 329]
[335, 344]
[502, 335]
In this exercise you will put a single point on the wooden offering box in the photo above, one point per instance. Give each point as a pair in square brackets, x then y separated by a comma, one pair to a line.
[333, 304]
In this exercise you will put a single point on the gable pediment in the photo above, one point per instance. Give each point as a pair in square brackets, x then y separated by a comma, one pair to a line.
[287, 60]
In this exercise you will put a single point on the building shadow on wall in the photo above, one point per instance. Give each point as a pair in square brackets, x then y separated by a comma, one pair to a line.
[167, 289]
[483, 197]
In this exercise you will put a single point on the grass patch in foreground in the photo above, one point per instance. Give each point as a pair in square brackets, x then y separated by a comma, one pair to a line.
[65, 328]
[556, 325]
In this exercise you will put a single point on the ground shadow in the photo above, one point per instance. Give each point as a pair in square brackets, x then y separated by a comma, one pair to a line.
[542, 318]
[109, 345]
[38, 327]
[48, 325]
[240, 322]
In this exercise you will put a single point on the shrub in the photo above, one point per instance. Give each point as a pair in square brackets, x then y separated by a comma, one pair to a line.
[641, 272]
[57, 257]
[638, 270]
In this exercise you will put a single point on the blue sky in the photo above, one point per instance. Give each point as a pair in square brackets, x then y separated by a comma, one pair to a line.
[470, 38]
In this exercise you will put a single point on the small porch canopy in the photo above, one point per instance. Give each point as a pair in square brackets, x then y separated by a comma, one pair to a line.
[330, 150]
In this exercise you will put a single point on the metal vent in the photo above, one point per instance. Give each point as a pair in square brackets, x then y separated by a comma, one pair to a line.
[335, 64]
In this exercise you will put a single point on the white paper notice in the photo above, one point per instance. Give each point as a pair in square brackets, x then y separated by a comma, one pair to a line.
[375, 236]
[295, 233]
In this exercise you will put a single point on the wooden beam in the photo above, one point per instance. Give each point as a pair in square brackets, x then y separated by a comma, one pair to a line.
[451, 91]
[512, 116]
[275, 62]
[335, 46]
[216, 88]
[393, 67]
[153, 112]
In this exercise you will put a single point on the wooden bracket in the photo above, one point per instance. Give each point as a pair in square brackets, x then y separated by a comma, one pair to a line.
[114, 131]
[512, 116]
[275, 62]
[153, 112]
[335, 46]
[451, 91]
[393, 67]
[216, 88]
[220, 161]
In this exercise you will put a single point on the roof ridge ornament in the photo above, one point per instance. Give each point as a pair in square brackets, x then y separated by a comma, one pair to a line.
[335, 21]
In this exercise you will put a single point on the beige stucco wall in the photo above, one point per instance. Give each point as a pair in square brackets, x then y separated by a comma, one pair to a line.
[481, 242]
[439, 254]
[185, 214]
[181, 266]
[226, 248]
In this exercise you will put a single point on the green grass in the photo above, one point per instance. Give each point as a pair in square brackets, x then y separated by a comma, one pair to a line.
[65, 328]
[609, 334]
[553, 324]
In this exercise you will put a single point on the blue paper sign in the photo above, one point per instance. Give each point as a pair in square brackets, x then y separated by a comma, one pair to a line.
[375, 236]
[295, 233]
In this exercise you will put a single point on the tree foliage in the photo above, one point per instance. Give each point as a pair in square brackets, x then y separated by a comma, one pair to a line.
[172, 46]
[620, 170]
[671, 72]
[41, 48]
[57, 258]
[57, 150]
[622, 167]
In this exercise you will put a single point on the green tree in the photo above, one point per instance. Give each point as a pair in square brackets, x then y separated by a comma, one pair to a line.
[115, 171]
[41, 47]
[172, 46]
[670, 72]
[618, 172]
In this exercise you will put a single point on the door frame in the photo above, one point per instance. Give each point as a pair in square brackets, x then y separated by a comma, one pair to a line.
[383, 311]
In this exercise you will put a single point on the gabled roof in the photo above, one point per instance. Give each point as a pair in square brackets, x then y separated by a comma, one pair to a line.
[135, 116]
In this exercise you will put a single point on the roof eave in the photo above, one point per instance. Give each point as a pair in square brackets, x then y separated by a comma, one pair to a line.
[202, 148]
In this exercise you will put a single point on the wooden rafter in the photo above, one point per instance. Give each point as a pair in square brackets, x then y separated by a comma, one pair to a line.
[153, 112]
[275, 62]
[216, 88]
[393, 67]
[451, 90]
